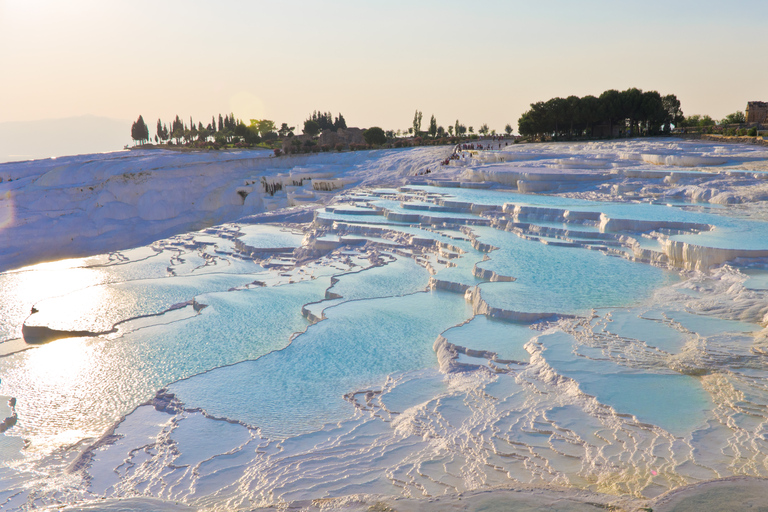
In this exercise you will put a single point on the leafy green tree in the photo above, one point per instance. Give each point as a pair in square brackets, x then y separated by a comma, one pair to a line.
[285, 130]
[632, 105]
[433, 126]
[440, 131]
[652, 112]
[735, 118]
[508, 129]
[484, 129]
[557, 115]
[590, 113]
[311, 127]
[611, 103]
[247, 133]
[674, 113]
[450, 130]
[572, 109]
[264, 127]
[691, 121]
[375, 136]
[471, 129]
[241, 129]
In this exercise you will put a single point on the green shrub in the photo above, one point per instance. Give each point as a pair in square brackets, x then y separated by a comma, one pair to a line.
[752, 132]
[374, 135]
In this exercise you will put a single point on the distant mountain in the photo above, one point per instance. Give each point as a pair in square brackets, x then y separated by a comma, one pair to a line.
[28, 140]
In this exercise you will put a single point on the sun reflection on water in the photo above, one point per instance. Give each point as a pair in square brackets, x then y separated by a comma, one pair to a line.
[22, 289]
[34, 283]
[62, 364]
[62, 375]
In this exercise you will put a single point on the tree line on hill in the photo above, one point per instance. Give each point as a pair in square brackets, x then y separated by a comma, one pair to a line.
[227, 130]
[632, 112]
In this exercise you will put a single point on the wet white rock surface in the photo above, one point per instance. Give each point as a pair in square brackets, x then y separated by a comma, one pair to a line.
[396, 341]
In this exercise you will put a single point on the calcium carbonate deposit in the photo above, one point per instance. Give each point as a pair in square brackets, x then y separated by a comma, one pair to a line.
[584, 323]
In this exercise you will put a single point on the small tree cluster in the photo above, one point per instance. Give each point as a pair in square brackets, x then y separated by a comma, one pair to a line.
[325, 121]
[697, 121]
[633, 110]
[737, 117]
[228, 130]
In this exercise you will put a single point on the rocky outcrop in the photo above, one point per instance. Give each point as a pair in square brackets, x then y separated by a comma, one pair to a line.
[40, 334]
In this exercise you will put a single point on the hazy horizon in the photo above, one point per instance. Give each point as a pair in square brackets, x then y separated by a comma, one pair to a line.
[77, 135]
[376, 65]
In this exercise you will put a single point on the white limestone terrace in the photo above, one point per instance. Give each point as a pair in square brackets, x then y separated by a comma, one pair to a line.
[665, 169]
[216, 361]
[75, 206]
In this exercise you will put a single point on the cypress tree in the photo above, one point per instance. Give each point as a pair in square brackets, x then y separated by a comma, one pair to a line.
[139, 130]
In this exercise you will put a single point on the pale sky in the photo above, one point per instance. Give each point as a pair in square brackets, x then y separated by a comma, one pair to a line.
[375, 62]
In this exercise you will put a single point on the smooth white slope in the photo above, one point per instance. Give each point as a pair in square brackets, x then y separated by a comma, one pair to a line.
[78, 206]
